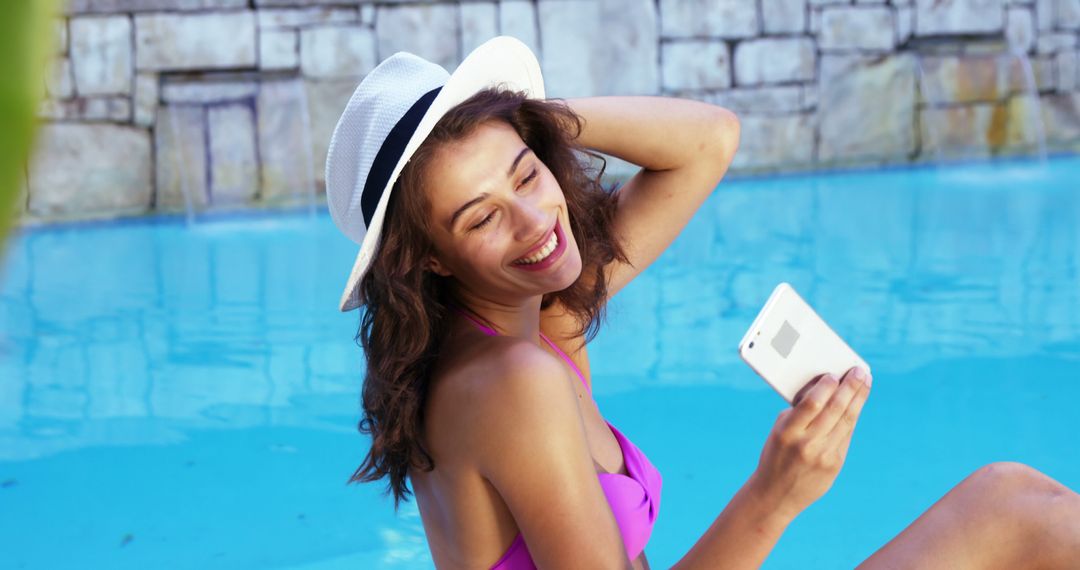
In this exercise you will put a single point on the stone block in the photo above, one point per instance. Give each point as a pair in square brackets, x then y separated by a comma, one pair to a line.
[578, 62]
[951, 17]
[1066, 69]
[278, 49]
[783, 16]
[905, 24]
[866, 107]
[774, 60]
[287, 164]
[809, 96]
[870, 28]
[1042, 68]
[428, 30]
[1067, 14]
[1061, 115]
[337, 51]
[88, 169]
[180, 140]
[211, 90]
[146, 98]
[727, 19]
[963, 130]
[114, 6]
[1020, 29]
[479, 23]
[969, 79]
[518, 18]
[1044, 12]
[58, 83]
[218, 40]
[234, 176]
[272, 18]
[761, 100]
[111, 108]
[325, 100]
[1054, 42]
[367, 14]
[695, 65]
[779, 141]
[101, 55]
[114, 108]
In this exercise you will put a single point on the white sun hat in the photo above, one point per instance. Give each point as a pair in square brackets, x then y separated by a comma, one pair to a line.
[389, 115]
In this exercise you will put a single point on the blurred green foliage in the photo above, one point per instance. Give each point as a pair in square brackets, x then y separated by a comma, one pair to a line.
[25, 42]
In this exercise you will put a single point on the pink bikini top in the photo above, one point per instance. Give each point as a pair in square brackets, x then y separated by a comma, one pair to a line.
[634, 498]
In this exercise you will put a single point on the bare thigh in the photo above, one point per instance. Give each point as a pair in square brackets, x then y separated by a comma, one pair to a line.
[1005, 515]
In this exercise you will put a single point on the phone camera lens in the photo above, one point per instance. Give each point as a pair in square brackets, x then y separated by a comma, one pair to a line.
[751, 344]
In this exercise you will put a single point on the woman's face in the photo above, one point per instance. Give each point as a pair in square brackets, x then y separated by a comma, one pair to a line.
[499, 223]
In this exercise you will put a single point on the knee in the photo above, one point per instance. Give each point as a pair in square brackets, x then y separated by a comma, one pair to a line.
[1008, 479]
[1031, 503]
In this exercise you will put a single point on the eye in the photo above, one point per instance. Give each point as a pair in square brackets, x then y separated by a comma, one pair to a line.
[483, 222]
[528, 178]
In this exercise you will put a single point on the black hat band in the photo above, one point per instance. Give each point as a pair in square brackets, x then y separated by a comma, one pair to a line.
[390, 153]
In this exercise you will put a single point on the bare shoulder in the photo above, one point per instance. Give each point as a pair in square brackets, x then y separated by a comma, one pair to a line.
[502, 385]
[517, 423]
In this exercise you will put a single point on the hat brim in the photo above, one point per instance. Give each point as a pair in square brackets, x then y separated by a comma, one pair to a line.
[503, 62]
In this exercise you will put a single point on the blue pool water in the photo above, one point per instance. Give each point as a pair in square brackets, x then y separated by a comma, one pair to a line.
[187, 397]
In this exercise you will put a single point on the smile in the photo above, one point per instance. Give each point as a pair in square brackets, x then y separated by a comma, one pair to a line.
[547, 254]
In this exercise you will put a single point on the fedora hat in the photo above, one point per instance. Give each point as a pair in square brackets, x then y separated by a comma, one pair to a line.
[388, 116]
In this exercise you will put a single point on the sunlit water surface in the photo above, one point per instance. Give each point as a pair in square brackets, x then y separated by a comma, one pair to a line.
[186, 397]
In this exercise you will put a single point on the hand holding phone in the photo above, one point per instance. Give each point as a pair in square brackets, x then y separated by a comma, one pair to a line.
[789, 345]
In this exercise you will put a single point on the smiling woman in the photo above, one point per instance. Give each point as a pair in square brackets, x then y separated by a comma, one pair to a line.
[487, 254]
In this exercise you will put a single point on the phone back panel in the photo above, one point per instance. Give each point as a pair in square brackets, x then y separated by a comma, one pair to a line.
[792, 345]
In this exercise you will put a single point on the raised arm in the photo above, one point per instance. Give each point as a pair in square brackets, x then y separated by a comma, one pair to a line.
[684, 148]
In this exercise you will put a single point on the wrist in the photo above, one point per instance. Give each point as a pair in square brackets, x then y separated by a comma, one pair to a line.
[769, 509]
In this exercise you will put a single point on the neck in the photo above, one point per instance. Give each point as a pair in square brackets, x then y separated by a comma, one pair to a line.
[517, 320]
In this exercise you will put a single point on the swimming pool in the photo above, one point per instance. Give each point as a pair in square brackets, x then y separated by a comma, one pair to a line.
[187, 397]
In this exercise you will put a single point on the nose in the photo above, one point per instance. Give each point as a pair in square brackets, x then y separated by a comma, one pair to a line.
[531, 219]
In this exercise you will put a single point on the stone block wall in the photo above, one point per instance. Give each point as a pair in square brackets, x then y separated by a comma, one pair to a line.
[160, 105]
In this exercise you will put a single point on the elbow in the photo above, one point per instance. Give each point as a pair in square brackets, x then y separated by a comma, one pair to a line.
[721, 143]
[728, 130]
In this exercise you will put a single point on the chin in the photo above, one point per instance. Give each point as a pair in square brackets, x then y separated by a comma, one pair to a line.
[572, 272]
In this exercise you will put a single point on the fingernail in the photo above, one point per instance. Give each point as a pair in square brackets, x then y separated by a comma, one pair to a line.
[869, 380]
[860, 374]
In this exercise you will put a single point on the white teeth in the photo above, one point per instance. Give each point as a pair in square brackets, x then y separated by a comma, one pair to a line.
[545, 251]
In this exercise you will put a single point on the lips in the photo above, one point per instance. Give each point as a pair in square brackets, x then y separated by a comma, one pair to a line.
[540, 251]
[552, 256]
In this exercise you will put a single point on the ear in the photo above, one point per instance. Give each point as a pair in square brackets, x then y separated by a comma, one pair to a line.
[437, 267]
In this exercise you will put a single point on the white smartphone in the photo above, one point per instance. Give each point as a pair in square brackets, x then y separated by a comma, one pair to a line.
[789, 345]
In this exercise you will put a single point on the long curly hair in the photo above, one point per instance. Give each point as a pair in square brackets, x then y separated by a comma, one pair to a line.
[405, 305]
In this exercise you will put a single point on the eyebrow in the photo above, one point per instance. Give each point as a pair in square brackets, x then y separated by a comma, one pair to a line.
[513, 166]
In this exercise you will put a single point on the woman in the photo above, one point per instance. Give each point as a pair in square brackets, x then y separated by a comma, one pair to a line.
[487, 255]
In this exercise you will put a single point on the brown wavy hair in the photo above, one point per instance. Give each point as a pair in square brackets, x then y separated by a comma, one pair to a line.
[405, 315]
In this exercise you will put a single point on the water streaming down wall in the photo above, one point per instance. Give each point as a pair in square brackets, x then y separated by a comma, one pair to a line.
[977, 102]
[966, 114]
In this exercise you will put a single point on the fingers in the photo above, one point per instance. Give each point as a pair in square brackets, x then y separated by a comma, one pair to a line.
[813, 400]
[841, 432]
[835, 408]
